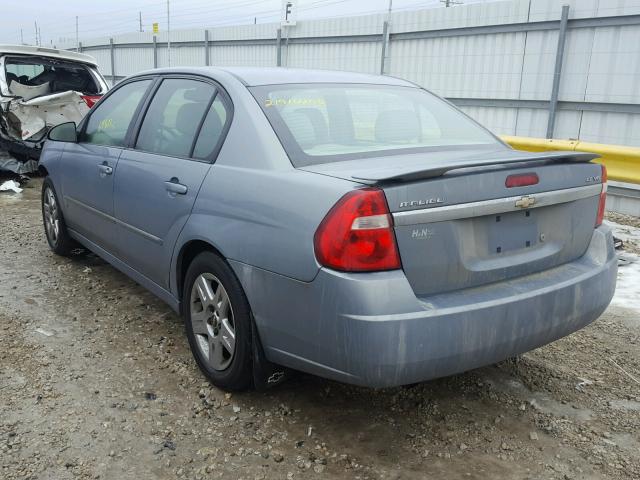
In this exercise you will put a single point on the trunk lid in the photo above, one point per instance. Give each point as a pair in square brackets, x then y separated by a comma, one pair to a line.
[457, 224]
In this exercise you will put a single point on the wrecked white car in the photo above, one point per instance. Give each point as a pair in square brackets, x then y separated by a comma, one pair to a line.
[39, 89]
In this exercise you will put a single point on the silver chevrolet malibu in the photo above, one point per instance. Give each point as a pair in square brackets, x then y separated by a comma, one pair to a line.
[351, 226]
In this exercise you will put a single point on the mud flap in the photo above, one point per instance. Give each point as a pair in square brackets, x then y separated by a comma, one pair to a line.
[265, 373]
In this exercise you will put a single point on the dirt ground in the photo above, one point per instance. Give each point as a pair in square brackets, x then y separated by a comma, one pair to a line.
[97, 382]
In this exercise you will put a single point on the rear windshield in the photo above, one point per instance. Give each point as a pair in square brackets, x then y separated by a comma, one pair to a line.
[33, 77]
[330, 123]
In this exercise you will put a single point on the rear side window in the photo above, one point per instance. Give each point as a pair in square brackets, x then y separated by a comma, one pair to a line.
[212, 129]
[109, 121]
[174, 116]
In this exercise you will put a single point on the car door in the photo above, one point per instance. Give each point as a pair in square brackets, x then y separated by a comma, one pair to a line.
[157, 180]
[90, 164]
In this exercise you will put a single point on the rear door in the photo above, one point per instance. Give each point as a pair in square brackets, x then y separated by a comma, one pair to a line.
[90, 164]
[157, 180]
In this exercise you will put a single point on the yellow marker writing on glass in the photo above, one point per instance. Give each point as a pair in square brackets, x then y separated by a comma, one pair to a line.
[281, 102]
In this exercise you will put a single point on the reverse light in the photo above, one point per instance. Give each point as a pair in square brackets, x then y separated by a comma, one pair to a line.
[603, 197]
[90, 100]
[357, 234]
[521, 180]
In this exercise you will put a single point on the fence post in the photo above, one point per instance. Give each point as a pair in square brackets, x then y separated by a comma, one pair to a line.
[385, 46]
[155, 52]
[113, 62]
[279, 46]
[553, 103]
[206, 47]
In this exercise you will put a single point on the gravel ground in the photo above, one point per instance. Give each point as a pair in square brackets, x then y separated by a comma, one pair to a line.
[627, 228]
[96, 381]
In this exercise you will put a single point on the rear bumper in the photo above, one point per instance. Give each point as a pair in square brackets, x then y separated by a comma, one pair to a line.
[370, 329]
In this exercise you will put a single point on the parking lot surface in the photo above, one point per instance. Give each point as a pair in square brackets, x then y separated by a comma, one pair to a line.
[97, 381]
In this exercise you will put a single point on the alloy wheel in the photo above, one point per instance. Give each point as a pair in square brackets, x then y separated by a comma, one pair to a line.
[51, 216]
[212, 321]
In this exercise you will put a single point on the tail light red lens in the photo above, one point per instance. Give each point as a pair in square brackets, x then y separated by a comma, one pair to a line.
[357, 234]
[91, 100]
[603, 198]
[521, 180]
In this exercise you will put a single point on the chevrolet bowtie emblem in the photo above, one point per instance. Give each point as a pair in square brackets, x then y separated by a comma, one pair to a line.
[525, 202]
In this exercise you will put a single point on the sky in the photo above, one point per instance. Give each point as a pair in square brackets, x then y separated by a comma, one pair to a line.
[57, 18]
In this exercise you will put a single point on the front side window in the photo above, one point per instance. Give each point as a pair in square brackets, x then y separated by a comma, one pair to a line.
[174, 116]
[109, 122]
[337, 122]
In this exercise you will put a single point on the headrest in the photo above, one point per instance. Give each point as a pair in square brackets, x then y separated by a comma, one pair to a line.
[301, 128]
[201, 95]
[319, 123]
[397, 126]
[188, 117]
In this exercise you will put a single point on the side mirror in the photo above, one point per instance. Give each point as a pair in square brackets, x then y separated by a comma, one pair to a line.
[65, 132]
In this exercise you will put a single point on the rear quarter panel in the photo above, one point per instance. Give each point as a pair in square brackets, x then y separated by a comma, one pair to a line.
[263, 218]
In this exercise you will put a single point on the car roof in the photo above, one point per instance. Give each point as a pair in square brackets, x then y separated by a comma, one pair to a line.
[255, 76]
[30, 50]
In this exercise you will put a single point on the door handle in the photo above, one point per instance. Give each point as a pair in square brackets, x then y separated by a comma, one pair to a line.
[105, 169]
[174, 187]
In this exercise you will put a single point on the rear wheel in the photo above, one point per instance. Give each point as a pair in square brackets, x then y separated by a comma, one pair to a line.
[55, 228]
[218, 322]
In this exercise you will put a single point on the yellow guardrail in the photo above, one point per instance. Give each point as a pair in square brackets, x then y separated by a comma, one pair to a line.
[623, 163]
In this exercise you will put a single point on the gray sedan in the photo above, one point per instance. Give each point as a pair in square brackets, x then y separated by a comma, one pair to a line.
[351, 226]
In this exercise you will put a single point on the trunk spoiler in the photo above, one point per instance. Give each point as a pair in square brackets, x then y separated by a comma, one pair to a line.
[437, 169]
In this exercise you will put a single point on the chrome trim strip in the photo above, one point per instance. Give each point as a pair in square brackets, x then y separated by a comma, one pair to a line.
[492, 207]
[142, 233]
[91, 209]
[112, 219]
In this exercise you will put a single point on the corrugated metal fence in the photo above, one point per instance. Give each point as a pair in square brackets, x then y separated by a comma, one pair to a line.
[520, 67]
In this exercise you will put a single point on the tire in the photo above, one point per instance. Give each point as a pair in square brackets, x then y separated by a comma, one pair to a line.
[209, 324]
[55, 228]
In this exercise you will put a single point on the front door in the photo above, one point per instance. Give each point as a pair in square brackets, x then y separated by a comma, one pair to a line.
[90, 165]
[157, 181]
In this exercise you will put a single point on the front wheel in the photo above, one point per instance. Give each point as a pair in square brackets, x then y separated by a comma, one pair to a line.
[218, 322]
[55, 227]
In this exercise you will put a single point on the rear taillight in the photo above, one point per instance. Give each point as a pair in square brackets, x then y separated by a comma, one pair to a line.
[603, 197]
[357, 234]
[521, 180]
[90, 100]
